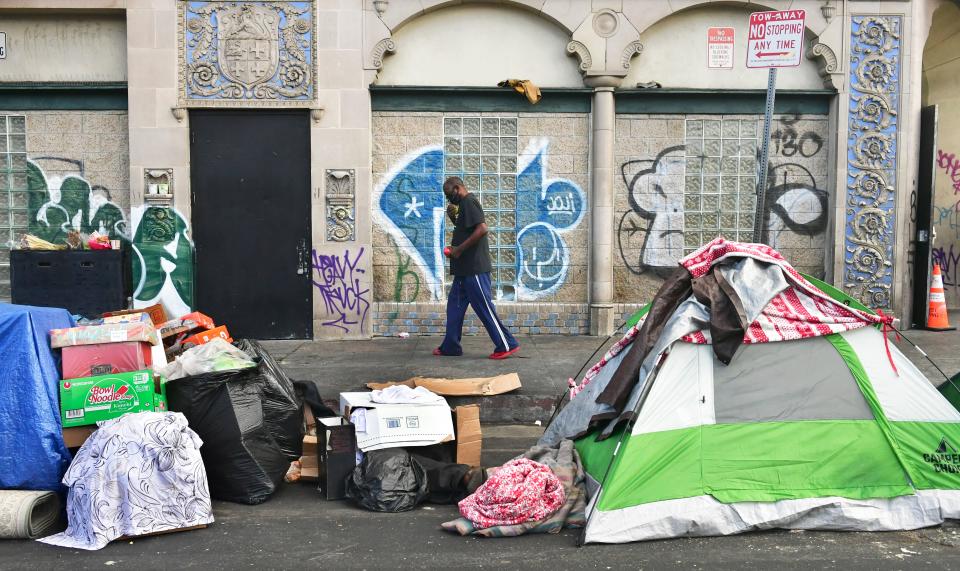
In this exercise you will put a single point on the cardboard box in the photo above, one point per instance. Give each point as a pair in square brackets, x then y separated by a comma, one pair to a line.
[185, 324]
[106, 358]
[336, 455]
[90, 400]
[121, 329]
[469, 436]
[75, 436]
[206, 336]
[481, 386]
[156, 313]
[398, 425]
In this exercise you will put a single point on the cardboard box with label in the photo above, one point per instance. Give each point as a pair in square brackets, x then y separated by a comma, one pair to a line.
[387, 426]
[398, 425]
[92, 399]
[106, 358]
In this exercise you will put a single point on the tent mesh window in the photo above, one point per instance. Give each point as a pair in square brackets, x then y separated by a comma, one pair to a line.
[483, 150]
[13, 191]
[720, 182]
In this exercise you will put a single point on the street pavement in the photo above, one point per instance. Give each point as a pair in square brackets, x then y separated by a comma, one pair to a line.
[296, 528]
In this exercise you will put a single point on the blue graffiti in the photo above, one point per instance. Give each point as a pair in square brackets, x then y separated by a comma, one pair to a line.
[411, 209]
[545, 207]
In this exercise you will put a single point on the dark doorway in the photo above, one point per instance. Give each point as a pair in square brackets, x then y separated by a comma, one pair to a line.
[922, 209]
[250, 180]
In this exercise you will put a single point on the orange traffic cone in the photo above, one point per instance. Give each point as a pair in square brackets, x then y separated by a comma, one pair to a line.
[937, 317]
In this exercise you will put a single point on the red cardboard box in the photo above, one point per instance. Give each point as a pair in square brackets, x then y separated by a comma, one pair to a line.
[81, 361]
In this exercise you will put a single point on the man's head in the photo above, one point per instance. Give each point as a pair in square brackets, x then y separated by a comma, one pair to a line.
[454, 189]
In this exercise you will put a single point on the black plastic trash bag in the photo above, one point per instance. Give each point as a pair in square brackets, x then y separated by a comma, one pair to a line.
[282, 407]
[244, 463]
[388, 480]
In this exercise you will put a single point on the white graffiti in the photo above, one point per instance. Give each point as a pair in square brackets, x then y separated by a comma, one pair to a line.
[413, 207]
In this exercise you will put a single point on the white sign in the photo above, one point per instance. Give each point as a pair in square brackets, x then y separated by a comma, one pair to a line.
[775, 39]
[3, 45]
[720, 48]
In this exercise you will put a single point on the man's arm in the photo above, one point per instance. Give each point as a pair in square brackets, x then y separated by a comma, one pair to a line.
[479, 231]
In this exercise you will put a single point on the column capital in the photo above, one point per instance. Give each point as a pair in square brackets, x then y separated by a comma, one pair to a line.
[603, 82]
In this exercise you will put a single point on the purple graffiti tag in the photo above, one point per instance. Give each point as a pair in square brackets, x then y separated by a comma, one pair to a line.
[948, 261]
[338, 280]
[950, 164]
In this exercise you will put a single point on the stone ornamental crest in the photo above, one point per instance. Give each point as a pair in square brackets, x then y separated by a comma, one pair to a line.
[872, 158]
[246, 53]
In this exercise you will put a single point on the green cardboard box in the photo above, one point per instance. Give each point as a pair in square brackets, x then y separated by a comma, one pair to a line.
[92, 399]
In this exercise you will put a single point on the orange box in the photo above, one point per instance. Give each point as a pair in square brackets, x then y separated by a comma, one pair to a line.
[206, 336]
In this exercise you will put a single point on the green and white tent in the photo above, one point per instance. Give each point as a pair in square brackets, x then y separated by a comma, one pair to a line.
[835, 431]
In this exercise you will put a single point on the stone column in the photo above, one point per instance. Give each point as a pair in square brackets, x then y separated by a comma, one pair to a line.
[601, 207]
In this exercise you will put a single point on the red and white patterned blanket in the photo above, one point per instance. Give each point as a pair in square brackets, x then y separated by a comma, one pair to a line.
[800, 311]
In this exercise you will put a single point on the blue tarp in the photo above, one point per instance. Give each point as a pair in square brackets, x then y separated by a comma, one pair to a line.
[32, 453]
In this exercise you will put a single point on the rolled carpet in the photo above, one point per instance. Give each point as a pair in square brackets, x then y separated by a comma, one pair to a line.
[27, 514]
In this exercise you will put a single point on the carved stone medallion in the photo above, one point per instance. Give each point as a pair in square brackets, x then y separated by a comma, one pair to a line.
[246, 53]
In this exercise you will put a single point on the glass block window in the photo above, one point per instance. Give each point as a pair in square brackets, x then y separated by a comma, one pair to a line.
[483, 151]
[13, 191]
[719, 193]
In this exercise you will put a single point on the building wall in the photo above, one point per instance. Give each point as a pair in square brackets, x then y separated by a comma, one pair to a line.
[453, 46]
[62, 171]
[57, 47]
[941, 85]
[530, 172]
[675, 54]
[684, 179]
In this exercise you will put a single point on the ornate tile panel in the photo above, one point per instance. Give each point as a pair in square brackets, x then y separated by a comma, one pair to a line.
[246, 53]
[872, 158]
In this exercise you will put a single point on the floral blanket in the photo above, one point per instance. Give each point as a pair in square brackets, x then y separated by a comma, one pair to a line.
[138, 474]
[565, 464]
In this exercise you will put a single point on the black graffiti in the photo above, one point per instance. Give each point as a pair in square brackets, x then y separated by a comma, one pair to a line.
[788, 141]
[776, 191]
[640, 220]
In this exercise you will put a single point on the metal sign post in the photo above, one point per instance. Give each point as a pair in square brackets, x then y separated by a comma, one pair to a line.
[764, 156]
[775, 40]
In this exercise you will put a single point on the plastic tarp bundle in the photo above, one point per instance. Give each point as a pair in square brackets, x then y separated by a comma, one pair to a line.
[229, 411]
[388, 480]
[32, 452]
[282, 408]
[138, 474]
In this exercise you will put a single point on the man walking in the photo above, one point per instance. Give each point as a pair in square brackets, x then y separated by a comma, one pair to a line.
[470, 265]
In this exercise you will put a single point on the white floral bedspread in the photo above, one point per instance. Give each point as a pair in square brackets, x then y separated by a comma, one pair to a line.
[138, 474]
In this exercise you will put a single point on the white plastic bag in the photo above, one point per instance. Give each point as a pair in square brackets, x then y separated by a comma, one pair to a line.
[215, 355]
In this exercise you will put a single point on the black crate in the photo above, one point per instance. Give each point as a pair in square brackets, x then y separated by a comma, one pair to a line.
[85, 282]
[336, 456]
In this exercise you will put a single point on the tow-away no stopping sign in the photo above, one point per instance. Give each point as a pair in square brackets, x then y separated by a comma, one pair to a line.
[775, 38]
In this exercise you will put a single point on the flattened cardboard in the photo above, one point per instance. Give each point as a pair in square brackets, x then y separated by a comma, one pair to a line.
[481, 386]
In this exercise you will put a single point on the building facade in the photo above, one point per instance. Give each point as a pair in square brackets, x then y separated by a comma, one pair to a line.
[279, 164]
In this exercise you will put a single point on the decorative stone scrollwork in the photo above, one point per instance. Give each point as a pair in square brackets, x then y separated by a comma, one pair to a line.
[581, 51]
[246, 52]
[341, 209]
[826, 60]
[632, 49]
[871, 157]
[383, 47]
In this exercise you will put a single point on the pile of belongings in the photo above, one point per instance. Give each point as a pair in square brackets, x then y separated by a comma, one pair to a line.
[540, 492]
[138, 474]
[753, 397]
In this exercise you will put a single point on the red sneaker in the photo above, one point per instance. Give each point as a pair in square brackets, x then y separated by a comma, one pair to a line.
[504, 354]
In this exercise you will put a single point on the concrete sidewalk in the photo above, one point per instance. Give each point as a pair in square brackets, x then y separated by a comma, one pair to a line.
[544, 364]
